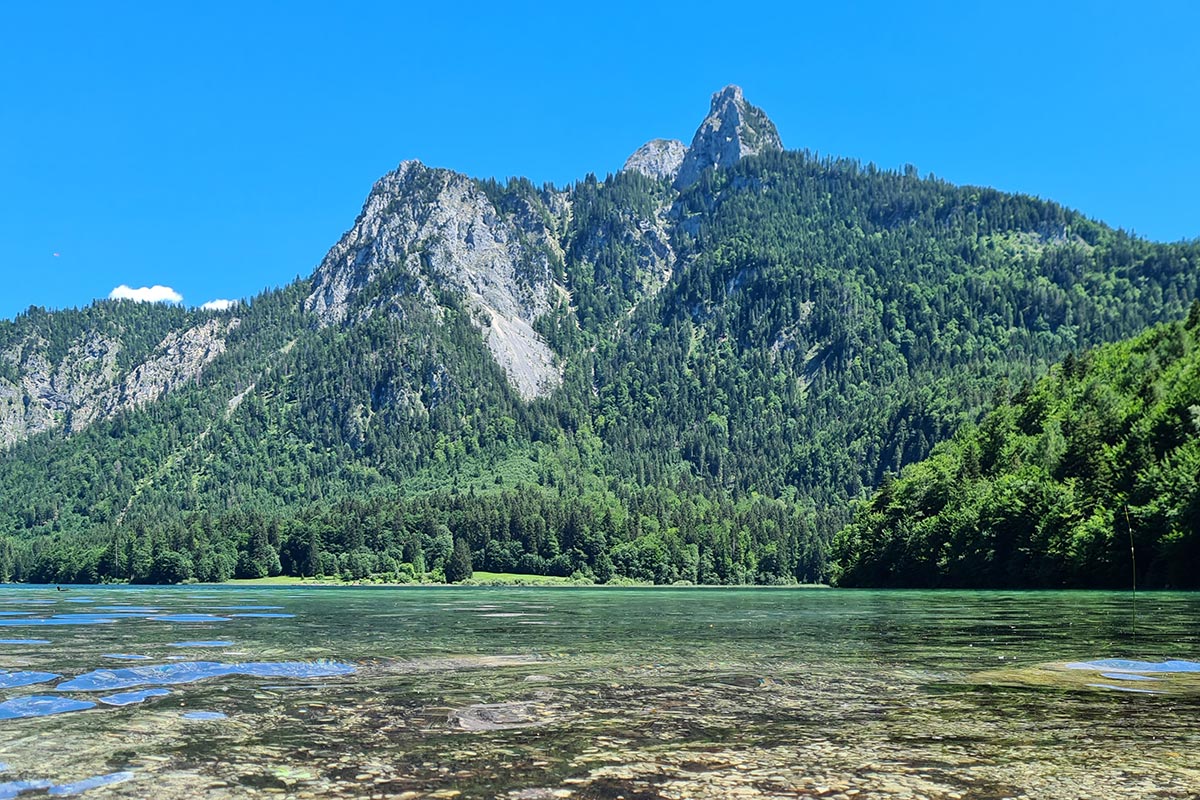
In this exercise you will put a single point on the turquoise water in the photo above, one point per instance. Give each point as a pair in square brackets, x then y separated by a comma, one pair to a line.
[596, 693]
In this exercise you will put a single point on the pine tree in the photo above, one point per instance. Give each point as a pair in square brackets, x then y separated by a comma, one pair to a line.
[458, 568]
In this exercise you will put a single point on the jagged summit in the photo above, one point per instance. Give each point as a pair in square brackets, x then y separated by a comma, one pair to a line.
[658, 159]
[429, 229]
[732, 130]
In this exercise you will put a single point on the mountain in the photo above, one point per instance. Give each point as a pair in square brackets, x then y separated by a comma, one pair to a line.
[427, 231]
[683, 371]
[1056, 485]
[732, 130]
[63, 371]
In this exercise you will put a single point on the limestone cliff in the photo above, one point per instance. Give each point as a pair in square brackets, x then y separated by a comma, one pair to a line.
[732, 130]
[658, 158]
[440, 231]
[86, 384]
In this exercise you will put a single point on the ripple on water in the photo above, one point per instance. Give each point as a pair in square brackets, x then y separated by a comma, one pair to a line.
[189, 618]
[1127, 676]
[1123, 669]
[127, 656]
[203, 715]
[103, 680]
[257, 615]
[130, 698]
[40, 622]
[247, 608]
[1127, 665]
[41, 706]
[130, 609]
[1132, 689]
[11, 680]
[203, 643]
[24, 641]
[96, 782]
[13, 788]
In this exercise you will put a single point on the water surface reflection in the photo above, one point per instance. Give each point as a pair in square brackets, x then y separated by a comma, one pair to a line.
[530, 693]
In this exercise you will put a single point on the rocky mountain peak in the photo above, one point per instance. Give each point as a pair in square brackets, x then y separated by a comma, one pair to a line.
[657, 159]
[732, 130]
[429, 230]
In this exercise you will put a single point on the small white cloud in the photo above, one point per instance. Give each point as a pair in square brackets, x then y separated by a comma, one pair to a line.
[219, 305]
[146, 294]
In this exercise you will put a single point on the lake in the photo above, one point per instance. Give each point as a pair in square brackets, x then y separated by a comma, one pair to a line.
[531, 693]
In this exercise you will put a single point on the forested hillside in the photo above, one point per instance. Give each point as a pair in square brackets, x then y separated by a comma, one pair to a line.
[835, 321]
[1056, 484]
[619, 378]
[63, 370]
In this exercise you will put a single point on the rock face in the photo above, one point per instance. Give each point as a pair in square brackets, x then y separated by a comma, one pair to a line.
[431, 230]
[658, 159]
[424, 232]
[179, 358]
[46, 396]
[86, 385]
[732, 130]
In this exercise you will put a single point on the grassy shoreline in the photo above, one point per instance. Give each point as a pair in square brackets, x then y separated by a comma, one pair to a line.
[484, 578]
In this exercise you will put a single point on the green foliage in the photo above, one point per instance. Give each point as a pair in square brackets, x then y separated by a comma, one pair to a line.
[458, 568]
[1102, 452]
[136, 328]
[826, 324]
[835, 322]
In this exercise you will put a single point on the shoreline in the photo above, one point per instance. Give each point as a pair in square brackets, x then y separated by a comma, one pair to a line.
[510, 580]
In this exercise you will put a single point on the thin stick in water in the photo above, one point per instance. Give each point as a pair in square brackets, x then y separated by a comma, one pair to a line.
[1133, 562]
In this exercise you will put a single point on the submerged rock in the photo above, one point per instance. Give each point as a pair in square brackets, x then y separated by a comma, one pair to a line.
[498, 716]
[1168, 677]
[14, 788]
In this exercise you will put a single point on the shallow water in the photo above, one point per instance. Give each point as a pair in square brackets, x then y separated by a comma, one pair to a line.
[639, 693]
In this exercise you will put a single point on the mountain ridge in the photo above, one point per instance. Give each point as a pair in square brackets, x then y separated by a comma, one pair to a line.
[680, 380]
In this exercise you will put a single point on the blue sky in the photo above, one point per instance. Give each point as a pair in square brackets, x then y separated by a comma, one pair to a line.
[221, 148]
